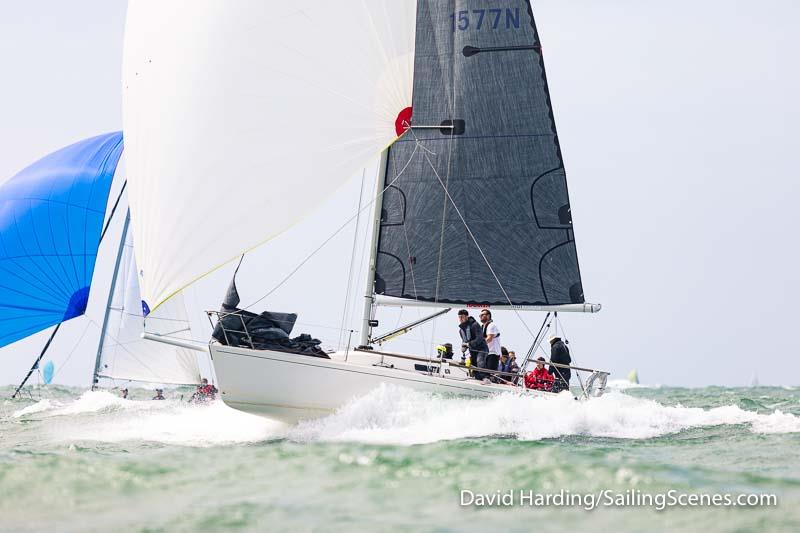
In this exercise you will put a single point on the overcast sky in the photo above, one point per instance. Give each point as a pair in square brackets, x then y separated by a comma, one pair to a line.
[679, 126]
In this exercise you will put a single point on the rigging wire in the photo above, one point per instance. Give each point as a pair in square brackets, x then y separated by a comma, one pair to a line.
[113, 210]
[330, 238]
[74, 348]
[411, 265]
[361, 263]
[352, 260]
[472, 235]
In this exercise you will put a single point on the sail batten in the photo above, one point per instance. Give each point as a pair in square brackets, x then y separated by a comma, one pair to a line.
[482, 213]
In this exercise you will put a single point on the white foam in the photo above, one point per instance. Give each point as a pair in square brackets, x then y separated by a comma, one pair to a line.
[95, 401]
[38, 407]
[167, 421]
[391, 415]
[622, 384]
[777, 422]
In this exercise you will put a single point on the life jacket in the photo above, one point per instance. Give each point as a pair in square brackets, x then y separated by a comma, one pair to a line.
[465, 330]
[539, 379]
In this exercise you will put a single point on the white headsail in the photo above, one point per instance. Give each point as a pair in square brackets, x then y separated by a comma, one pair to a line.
[124, 355]
[241, 116]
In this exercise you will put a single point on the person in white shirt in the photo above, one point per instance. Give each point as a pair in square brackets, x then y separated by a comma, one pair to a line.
[492, 335]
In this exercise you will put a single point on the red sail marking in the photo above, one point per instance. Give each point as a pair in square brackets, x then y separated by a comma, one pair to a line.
[403, 121]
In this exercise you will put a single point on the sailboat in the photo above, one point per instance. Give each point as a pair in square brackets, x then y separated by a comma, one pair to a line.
[52, 216]
[122, 354]
[261, 111]
[53, 220]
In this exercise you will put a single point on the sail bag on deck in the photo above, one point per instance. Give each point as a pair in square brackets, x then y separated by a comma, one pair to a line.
[263, 331]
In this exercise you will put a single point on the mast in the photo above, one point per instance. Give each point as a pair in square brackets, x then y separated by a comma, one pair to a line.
[38, 359]
[369, 286]
[114, 277]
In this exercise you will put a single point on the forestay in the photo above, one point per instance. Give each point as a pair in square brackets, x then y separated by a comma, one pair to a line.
[51, 218]
[242, 116]
[478, 211]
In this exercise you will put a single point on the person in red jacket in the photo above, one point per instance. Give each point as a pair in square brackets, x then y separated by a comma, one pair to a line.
[539, 379]
[205, 392]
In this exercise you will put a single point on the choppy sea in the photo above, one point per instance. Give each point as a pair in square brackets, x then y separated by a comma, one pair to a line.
[397, 460]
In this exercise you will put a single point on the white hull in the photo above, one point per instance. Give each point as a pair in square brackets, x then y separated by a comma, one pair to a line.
[292, 387]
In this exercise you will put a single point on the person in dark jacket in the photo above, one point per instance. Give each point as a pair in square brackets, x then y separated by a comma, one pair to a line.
[559, 354]
[512, 360]
[472, 340]
[508, 366]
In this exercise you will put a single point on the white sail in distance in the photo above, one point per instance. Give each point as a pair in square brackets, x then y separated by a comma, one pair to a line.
[241, 116]
[124, 354]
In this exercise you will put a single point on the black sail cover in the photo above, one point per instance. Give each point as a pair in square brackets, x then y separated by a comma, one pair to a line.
[478, 70]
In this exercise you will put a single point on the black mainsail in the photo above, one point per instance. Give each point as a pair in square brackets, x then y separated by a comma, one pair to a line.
[476, 209]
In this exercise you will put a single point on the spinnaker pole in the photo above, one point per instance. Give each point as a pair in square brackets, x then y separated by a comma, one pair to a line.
[369, 288]
[114, 277]
[36, 363]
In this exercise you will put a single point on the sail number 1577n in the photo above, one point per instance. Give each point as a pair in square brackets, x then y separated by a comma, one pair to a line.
[485, 19]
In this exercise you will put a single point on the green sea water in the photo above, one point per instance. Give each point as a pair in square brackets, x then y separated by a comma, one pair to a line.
[397, 460]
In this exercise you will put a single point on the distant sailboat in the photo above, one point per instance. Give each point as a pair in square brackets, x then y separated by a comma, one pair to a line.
[52, 222]
[47, 373]
[471, 207]
[51, 225]
[123, 355]
[633, 376]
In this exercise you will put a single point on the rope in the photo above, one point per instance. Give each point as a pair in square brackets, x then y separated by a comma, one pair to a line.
[334, 234]
[566, 341]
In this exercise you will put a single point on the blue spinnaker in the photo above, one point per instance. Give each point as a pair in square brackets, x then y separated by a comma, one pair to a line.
[51, 217]
[47, 373]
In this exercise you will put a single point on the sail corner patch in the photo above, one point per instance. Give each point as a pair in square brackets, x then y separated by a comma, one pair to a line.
[403, 121]
[77, 303]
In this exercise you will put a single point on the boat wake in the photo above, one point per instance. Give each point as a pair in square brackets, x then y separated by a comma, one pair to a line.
[391, 415]
[388, 415]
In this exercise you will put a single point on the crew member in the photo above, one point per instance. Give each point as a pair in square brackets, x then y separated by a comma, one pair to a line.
[539, 378]
[445, 351]
[492, 335]
[559, 354]
[205, 392]
[472, 340]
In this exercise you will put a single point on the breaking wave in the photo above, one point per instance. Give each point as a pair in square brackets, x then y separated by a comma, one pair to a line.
[388, 415]
[104, 417]
[622, 384]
